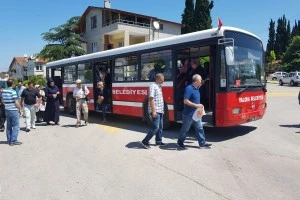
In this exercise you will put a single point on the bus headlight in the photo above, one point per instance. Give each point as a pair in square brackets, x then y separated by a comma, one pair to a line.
[236, 111]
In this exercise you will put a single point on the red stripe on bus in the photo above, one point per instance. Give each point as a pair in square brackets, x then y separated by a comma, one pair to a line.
[128, 110]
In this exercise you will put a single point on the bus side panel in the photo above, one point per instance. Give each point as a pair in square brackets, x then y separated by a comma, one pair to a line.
[252, 105]
[128, 98]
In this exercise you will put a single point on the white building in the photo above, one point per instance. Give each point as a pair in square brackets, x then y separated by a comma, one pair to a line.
[24, 67]
[106, 28]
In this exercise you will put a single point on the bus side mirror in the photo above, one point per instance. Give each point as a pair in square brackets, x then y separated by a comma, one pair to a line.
[229, 53]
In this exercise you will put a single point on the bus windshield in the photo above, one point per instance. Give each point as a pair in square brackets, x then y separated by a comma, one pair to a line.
[248, 69]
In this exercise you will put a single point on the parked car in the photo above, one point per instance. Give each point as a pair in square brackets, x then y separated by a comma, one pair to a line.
[276, 75]
[293, 79]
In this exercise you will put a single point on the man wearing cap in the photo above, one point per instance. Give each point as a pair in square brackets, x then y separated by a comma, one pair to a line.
[80, 93]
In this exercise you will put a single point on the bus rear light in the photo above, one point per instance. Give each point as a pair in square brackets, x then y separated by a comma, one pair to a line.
[236, 111]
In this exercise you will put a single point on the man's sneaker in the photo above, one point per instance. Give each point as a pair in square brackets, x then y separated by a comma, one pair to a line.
[206, 145]
[27, 129]
[145, 145]
[181, 146]
[86, 123]
[15, 143]
[160, 144]
[33, 127]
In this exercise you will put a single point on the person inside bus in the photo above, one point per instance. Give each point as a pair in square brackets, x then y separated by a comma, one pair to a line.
[102, 99]
[194, 69]
[105, 77]
[181, 81]
[204, 89]
[52, 106]
[182, 74]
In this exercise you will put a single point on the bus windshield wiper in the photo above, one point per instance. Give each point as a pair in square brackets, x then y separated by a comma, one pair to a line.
[243, 89]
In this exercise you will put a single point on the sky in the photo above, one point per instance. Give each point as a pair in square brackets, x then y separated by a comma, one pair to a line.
[23, 22]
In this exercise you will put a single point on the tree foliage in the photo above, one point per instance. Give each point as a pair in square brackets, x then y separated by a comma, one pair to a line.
[291, 58]
[202, 17]
[188, 17]
[63, 41]
[271, 41]
[280, 41]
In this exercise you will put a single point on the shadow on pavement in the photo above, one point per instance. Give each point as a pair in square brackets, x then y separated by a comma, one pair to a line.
[290, 126]
[136, 124]
[134, 145]
[3, 142]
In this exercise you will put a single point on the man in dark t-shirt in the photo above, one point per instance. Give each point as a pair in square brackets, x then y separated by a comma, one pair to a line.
[30, 99]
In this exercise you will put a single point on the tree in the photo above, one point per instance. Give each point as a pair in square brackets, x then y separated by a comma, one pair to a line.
[280, 37]
[188, 17]
[202, 17]
[291, 58]
[271, 41]
[295, 29]
[63, 41]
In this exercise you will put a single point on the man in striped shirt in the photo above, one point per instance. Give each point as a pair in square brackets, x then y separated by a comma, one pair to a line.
[12, 108]
[156, 106]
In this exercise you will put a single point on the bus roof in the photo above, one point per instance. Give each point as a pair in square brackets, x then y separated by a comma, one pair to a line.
[205, 34]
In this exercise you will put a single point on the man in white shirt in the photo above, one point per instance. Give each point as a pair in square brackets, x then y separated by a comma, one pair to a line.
[80, 93]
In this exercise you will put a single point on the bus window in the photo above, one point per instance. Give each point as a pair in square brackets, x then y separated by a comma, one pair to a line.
[156, 62]
[85, 72]
[69, 74]
[126, 69]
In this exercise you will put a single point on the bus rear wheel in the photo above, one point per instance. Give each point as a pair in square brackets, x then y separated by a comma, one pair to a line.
[147, 116]
[71, 105]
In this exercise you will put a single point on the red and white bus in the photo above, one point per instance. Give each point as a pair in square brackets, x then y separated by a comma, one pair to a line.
[234, 91]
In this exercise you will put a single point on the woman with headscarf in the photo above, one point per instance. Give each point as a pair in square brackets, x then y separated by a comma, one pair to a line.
[52, 106]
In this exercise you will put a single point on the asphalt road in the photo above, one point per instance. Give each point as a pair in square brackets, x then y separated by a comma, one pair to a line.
[259, 160]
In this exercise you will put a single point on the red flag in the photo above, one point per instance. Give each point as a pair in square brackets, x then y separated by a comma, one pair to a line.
[220, 23]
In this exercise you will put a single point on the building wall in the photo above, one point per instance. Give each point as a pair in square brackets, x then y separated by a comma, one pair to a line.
[93, 35]
[140, 34]
[19, 71]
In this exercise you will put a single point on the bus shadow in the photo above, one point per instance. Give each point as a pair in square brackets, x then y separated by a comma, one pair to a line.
[219, 134]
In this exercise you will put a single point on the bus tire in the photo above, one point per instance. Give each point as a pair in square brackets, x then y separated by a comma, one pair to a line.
[71, 104]
[147, 117]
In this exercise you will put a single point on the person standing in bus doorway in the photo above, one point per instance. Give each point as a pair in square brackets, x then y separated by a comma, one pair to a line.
[102, 99]
[52, 106]
[31, 104]
[156, 105]
[191, 104]
[12, 106]
[19, 89]
[80, 93]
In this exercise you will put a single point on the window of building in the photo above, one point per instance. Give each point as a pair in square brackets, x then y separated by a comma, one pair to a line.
[161, 27]
[85, 73]
[121, 44]
[69, 74]
[126, 69]
[39, 68]
[156, 62]
[94, 22]
[94, 47]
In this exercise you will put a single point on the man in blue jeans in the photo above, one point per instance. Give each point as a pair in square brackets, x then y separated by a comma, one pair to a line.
[12, 109]
[156, 105]
[191, 104]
